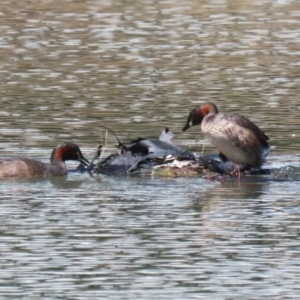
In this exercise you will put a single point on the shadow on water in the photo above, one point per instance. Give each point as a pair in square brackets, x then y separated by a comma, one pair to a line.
[73, 180]
[245, 189]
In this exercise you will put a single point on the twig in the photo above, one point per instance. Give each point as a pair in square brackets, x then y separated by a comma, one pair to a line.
[120, 143]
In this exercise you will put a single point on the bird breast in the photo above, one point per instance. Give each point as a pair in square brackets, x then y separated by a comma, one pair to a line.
[234, 141]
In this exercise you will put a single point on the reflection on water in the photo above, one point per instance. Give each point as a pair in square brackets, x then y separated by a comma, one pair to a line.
[138, 66]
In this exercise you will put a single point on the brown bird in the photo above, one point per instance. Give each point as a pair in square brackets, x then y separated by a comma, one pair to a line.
[237, 138]
[26, 167]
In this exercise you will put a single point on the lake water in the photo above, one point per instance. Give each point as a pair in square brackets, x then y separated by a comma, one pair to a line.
[68, 67]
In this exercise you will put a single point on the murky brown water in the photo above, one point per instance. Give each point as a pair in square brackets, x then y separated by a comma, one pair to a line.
[66, 67]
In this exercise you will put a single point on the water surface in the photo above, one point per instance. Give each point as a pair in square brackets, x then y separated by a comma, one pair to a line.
[138, 66]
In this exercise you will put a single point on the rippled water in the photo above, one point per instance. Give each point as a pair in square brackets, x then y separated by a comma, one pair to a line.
[137, 66]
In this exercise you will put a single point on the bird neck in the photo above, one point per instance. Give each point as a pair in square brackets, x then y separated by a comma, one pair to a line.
[58, 162]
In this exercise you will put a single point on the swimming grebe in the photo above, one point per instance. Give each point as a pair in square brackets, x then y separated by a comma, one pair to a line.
[26, 167]
[238, 139]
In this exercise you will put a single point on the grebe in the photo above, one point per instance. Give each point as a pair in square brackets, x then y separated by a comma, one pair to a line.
[26, 167]
[237, 138]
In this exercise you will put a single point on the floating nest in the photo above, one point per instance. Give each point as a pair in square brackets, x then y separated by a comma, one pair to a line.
[153, 157]
[168, 166]
[158, 158]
